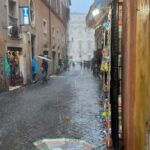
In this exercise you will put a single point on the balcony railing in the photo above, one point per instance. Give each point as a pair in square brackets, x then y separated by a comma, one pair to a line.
[14, 32]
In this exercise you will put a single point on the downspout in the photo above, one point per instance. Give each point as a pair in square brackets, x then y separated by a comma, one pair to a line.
[50, 24]
[50, 40]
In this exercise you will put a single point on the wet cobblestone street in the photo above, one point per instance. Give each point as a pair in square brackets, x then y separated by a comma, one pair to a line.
[67, 106]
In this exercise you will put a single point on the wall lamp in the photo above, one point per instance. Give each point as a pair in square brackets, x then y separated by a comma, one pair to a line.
[9, 27]
[97, 11]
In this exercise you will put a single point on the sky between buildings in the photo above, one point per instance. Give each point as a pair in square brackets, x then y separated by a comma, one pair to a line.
[81, 6]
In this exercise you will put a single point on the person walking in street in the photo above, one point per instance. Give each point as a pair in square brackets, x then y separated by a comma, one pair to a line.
[84, 65]
[73, 64]
[44, 70]
[81, 64]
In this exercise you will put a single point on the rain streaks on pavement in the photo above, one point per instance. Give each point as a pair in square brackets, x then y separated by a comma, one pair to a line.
[66, 107]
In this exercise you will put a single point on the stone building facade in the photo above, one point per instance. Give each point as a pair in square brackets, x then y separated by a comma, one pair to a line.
[44, 30]
[81, 39]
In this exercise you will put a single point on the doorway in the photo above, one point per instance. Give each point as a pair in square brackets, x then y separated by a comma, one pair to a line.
[54, 61]
[16, 78]
[32, 46]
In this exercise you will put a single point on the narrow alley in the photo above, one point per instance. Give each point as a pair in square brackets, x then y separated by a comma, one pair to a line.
[66, 107]
[74, 75]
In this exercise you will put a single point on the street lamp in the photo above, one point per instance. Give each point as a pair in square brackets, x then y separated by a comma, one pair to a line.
[97, 11]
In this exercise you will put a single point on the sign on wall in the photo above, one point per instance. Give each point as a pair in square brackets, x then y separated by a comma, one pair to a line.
[24, 15]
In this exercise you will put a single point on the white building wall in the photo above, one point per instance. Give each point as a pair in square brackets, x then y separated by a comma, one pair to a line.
[81, 40]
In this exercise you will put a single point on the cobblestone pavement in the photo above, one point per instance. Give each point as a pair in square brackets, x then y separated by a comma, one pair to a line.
[67, 106]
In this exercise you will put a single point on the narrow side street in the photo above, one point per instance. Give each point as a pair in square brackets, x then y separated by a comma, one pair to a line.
[65, 107]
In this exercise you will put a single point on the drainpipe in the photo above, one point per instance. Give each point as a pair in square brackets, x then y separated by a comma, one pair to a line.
[50, 40]
[49, 25]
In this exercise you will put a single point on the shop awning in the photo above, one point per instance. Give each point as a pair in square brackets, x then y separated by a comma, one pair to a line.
[97, 13]
[14, 48]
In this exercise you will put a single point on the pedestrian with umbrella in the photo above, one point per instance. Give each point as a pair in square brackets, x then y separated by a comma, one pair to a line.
[44, 66]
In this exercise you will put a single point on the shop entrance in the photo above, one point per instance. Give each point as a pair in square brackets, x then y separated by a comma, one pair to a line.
[16, 69]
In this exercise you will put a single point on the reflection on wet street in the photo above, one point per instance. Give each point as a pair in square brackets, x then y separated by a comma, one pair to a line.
[66, 107]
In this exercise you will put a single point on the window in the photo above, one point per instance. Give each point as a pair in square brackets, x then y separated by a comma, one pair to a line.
[57, 6]
[13, 9]
[53, 31]
[13, 15]
[13, 23]
[53, 37]
[57, 34]
[44, 26]
[32, 17]
[70, 45]
[53, 4]
[79, 31]
[80, 45]
[62, 37]
[89, 45]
